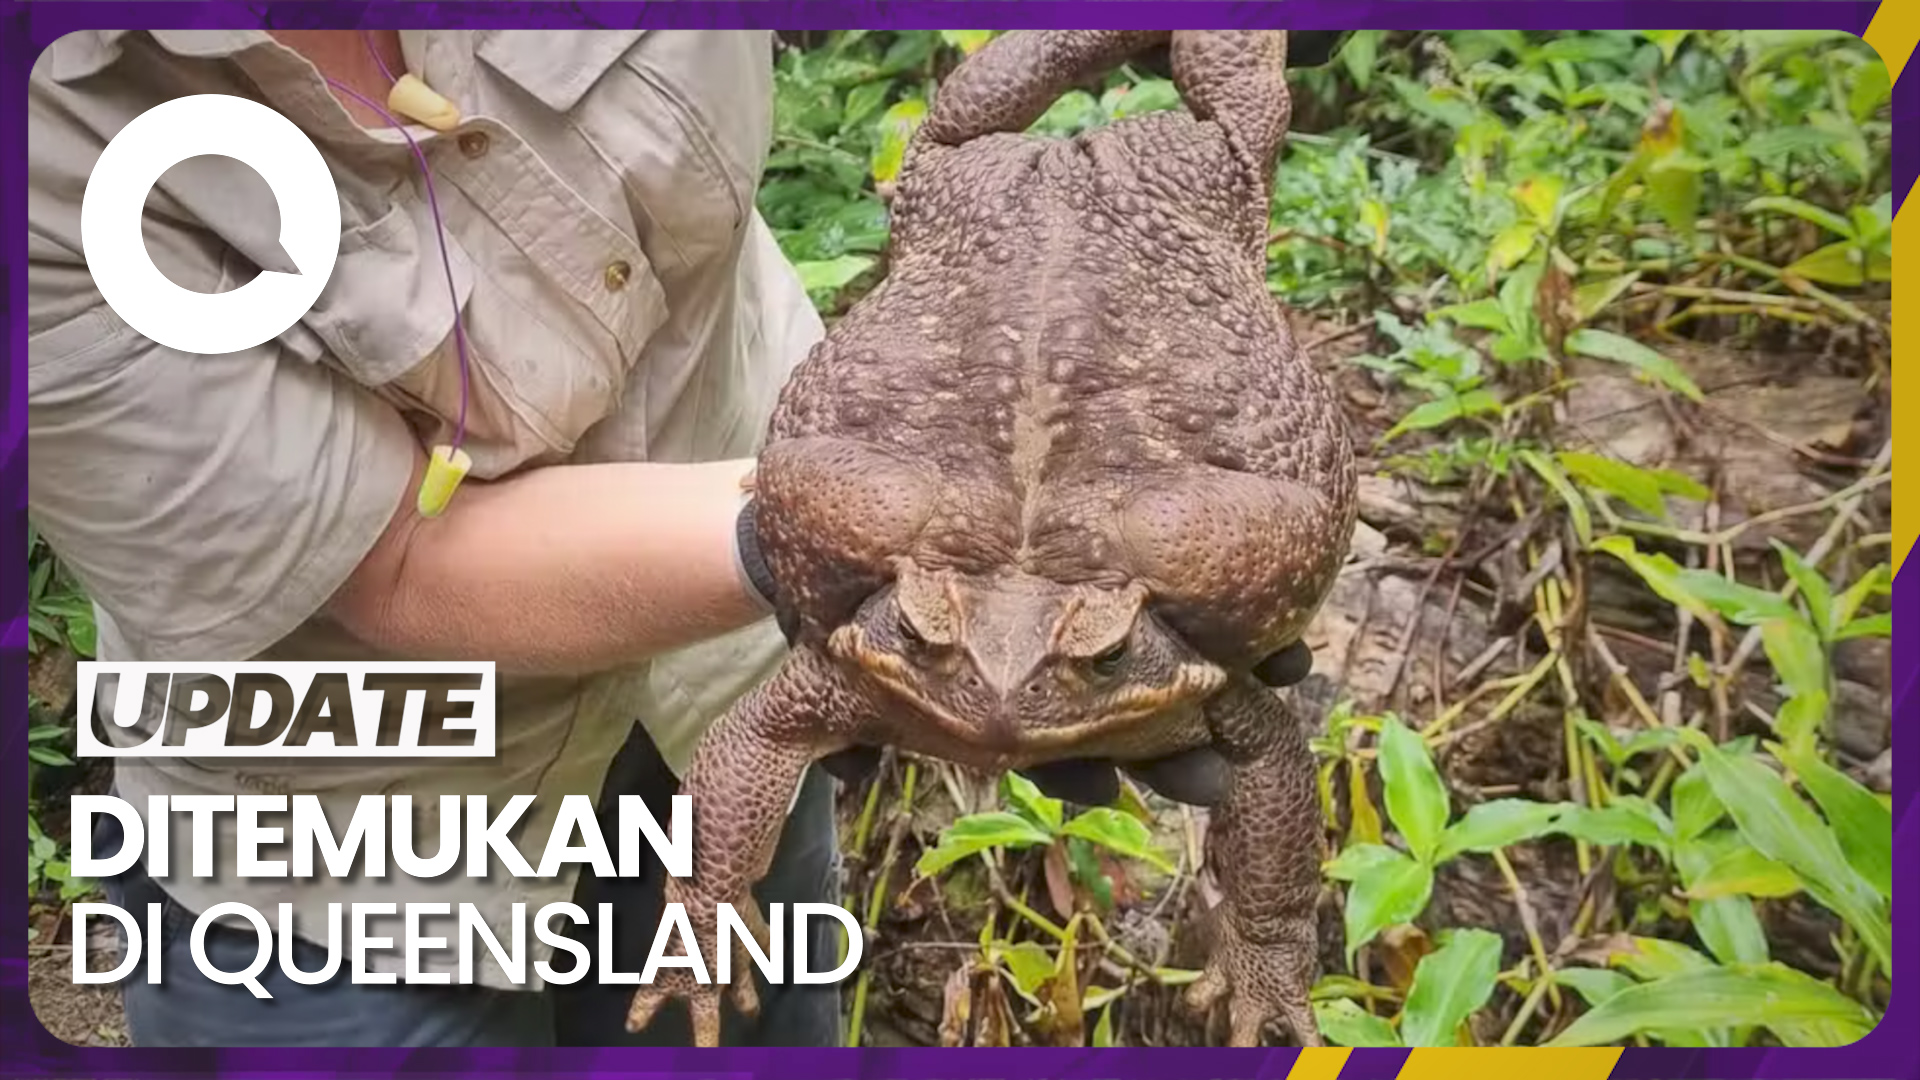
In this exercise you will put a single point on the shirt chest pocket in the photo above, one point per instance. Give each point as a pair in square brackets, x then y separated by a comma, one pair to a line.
[556, 304]
[683, 118]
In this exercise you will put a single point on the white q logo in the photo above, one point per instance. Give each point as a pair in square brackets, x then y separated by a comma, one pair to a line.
[162, 137]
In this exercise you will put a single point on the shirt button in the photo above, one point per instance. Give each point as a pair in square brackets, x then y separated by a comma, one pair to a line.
[617, 275]
[474, 143]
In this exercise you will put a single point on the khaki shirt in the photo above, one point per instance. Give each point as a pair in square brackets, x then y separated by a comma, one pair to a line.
[623, 301]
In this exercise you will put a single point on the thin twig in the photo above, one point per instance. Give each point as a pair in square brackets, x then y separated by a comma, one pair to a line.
[1854, 494]
[1527, 920]
[903, 816]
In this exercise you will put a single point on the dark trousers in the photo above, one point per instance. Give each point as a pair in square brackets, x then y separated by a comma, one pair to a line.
[188, 1009]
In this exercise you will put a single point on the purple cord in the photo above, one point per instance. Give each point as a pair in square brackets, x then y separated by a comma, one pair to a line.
[367, 36]
[440, 231]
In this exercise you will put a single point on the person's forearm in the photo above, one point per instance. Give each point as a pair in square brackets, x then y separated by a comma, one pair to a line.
[562, 570]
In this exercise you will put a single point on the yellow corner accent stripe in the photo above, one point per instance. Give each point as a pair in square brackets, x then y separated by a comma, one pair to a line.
[1496, 1063]
[1319, 1063]
[1893, 32]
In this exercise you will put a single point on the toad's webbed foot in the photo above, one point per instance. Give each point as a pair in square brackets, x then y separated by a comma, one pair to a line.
[1259, 981]
[1265, 850]
[679, 983]
[742, 780]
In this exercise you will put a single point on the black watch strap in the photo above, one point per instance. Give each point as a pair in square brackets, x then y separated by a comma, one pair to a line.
[753, 562]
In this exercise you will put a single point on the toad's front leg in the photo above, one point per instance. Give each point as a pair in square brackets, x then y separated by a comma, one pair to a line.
[1264, 844]
[741, 782]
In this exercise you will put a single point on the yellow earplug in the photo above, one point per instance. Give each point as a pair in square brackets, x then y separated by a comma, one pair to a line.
[416, 100]
[445, 469]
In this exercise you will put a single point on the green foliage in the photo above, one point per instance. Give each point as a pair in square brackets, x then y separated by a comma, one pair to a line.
[59, 615]
[1801, 1010]
[58, 611]
[1037, 821]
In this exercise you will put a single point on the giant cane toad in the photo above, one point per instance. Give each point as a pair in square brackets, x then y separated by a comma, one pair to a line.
[1053, 488]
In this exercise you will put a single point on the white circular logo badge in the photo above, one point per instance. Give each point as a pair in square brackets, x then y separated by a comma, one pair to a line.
[116, 251]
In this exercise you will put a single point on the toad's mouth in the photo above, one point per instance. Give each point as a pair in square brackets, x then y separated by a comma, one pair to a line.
[997, 738]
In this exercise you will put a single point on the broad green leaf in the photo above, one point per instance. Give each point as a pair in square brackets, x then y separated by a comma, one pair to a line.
[1813, 585]
[1645, 742]
[1797, 655]
[1800, 661]
[967, 41]
[1799, 719]
[1862, 823]
[1557, 480]
[1775, 821]
[1482, 314]
[1730, 929]
[1654, 958]
[1358, 859]
[1029, 802]
[82, 633]
[1872, 225]
[1669, 41]
[1330, 987]
[1877, 580]
[1726, 923]
[1345, 1023]
[1602, 740]
[1841, 263]
[862, 102]
[1594, 985]
[1742, 871]
[1433, 414]
[1083, 862]
[1803, 210]
[1359, 53]
[47, 755]
[1742, 604]
[1377, 219]
[1872, 626]
[1540, 196]
[1870, 87]
[1673, 187]
[1121, 833]
[1387, 894]
[1518, 294]
[1605, 345]
[1364, 824]
[1416, 796]
[832, 275]
[1145, 96]
[1103, 1031]
[1498, 824]
[1590, 300]
[1659, 572]
[1029, 965]
[1732, 996]
[1449, 984]
[975, 833]
[1676, 483]
[896, 129]
[1514, 243]
[1627, 821]
[1634, 486]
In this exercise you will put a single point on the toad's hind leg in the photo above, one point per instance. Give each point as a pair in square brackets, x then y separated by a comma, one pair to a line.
[743, 777]
[1264, 847]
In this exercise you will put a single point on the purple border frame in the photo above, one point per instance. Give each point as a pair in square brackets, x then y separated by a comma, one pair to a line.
[26, 1048]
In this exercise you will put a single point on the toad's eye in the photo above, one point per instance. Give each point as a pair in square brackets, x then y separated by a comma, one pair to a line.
[909, 634]
[1107, 663]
